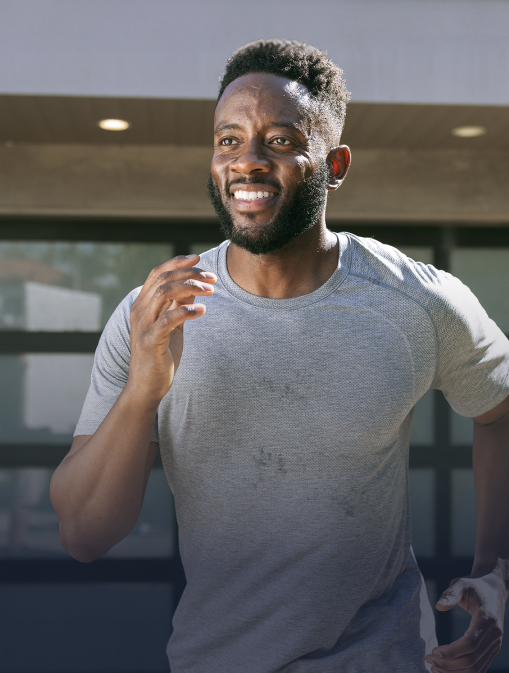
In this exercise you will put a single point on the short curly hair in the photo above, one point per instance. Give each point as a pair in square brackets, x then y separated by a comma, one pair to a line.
[302, 63]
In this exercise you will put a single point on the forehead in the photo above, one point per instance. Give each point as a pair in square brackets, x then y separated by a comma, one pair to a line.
[265, 97]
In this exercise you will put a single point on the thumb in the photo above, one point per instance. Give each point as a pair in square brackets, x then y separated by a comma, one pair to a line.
[450, 597]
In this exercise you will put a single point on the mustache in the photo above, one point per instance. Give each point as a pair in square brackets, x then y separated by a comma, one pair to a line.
[254, 181]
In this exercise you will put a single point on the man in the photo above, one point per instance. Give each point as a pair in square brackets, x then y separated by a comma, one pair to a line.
[283, 417]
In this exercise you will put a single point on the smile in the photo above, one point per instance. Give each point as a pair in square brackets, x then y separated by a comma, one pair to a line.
[242, 195]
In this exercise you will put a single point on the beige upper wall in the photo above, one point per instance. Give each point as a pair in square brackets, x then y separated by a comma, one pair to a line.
[152, 181]
[405, 51]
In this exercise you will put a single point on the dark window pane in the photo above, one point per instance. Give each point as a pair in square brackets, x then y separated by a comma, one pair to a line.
[423, 426]
[422, 493]
[462, 430]
[100, 628]
[463, 512]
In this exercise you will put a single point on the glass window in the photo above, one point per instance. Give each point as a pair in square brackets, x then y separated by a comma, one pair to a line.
[198, 248]
[29, 524]
[42, 396]
[419, 253]
[423, 425]
[57, 286]
[422, 494]
[462, 430]
[463, 512]
[486, 272]
[87, 628]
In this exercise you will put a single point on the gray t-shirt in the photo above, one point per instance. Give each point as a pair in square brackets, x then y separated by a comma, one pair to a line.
[285, 441]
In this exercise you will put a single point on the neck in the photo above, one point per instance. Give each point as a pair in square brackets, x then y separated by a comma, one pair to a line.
[300, 267]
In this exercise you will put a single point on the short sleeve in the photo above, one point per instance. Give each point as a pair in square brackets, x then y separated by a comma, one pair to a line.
[473, 353]
[110, 370]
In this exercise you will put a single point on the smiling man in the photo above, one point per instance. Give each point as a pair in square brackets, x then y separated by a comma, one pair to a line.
[283, 418]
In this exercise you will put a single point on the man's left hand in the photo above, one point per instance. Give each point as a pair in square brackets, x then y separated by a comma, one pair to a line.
[484, 598]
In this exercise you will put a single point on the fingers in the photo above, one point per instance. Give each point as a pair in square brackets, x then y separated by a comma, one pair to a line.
[181, 291]
[469, 652]
[481, 666]
[179, 262]
[171, 319]
[174, 280]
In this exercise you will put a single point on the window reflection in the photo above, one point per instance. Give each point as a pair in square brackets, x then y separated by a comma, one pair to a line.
[486, 272]
[61, 286]
[42, 396]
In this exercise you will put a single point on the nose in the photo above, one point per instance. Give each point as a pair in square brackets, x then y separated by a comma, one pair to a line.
[251, 158]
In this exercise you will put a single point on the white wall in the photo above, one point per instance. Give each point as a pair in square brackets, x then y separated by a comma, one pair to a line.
[414, 51]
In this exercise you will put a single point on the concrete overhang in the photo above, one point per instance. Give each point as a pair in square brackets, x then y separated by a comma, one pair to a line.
[407, 166]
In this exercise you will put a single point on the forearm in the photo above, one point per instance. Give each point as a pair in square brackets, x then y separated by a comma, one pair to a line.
[491, 475]
[97, 491]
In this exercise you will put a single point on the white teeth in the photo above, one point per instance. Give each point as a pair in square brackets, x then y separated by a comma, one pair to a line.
[250, 196]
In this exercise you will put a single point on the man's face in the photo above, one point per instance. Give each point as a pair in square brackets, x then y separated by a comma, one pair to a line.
[269, 175]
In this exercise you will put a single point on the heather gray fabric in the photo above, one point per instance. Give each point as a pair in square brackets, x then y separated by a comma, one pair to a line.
[285, 441]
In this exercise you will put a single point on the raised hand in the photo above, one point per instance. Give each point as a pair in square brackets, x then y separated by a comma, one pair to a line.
[484, 598]
[165, 302]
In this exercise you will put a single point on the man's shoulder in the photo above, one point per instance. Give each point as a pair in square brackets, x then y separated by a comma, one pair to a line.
[385, 265]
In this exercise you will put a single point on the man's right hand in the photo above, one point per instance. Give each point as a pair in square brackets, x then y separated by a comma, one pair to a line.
[165, 302]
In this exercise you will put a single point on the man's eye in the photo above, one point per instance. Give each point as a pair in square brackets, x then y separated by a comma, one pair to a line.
[281, 141]
[228, 141]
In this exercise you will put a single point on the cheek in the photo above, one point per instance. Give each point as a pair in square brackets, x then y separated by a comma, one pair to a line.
[219, 171]
[301, 169]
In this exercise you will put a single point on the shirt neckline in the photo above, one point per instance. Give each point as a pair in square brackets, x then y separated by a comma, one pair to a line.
[329, 286]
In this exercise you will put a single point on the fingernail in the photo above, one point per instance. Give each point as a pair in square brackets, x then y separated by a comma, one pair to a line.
[193, 255]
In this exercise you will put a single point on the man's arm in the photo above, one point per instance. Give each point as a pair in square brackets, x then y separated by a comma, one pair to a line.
[484, 592]
[97, 490]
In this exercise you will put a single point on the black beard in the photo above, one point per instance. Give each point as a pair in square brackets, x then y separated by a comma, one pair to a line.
[298, 215]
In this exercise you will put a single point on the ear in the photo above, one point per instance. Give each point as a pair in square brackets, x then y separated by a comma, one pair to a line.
[338, 159]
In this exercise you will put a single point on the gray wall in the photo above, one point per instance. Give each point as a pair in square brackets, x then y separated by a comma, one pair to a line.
[418, 51]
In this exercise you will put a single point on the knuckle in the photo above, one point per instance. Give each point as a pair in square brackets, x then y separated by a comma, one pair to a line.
[161, 291]
[156, 271]
[164, 319]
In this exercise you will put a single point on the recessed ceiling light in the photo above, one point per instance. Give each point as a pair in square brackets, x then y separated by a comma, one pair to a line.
[114, 124]
[468, 131]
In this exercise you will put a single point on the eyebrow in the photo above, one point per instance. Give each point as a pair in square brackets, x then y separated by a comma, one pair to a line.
[273, 125]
